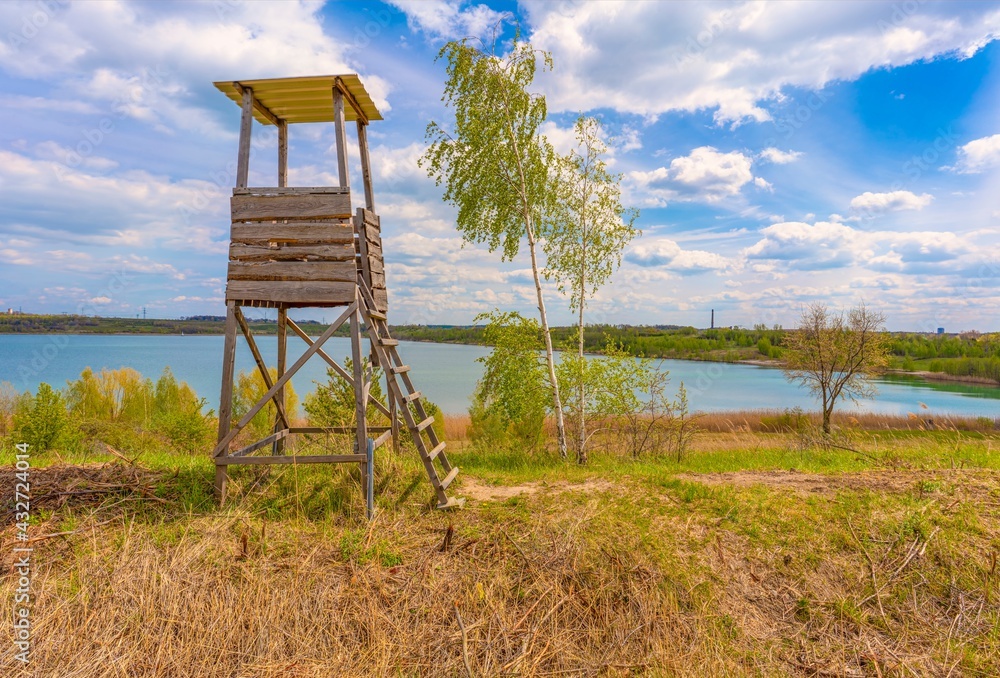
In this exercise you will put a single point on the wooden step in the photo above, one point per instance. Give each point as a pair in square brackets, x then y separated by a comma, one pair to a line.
[410, 398]
[377, 315]
[432, 455]
[426, 423]
[448, 478]
[452, 503]
[399, 369]
[389, 342]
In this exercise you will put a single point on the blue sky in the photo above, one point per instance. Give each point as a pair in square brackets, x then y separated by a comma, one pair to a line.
[780, 153]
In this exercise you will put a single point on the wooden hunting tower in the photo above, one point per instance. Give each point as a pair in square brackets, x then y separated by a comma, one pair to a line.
[305, 247]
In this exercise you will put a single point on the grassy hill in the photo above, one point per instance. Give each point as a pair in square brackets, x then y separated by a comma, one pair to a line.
[756, 554]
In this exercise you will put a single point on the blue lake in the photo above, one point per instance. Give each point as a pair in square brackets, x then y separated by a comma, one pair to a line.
[445, 373]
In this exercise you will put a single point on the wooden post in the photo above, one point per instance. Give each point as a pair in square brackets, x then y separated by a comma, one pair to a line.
[360, 397]
[340, 129]
[393, 414]
[246, 126]
[282, 154]
[366, 172]
[279, 445]
[226, 397]
[370, 479]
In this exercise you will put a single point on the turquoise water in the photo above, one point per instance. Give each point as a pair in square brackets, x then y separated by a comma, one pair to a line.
[445, 373]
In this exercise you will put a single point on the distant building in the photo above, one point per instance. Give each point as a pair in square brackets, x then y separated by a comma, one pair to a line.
[940, 330]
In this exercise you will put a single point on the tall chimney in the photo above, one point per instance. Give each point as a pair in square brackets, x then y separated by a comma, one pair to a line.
[713, 318]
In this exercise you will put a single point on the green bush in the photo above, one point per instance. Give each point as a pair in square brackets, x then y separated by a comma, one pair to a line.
[39, 420]
[248, 389]
[332, 403]
[9, 397]
[177, 414]
[511, 399]
[125, 410]
[119, 396]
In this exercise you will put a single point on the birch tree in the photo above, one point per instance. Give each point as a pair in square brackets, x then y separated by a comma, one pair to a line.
[493, 162]
[589, 231]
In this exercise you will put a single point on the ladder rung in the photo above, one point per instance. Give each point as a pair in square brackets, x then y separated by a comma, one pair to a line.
[378, 315]
[399, 369]
[432, 455]
[426, 423]
[410, 398]
[389, 342]
[448, 478]
[453, 502]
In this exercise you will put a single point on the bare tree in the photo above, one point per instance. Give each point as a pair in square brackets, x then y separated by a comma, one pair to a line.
[837, 356]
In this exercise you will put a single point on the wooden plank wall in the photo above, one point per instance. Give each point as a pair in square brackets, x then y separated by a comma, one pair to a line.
[291, 246]
[372, 262]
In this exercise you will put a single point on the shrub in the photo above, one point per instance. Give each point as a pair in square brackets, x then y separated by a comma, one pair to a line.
[177, 414]
[248, 389]
[332, 403]
[116, 396]
[9, 398]
[123, 409]
[682, 429]
[39, 420]
[511, 399]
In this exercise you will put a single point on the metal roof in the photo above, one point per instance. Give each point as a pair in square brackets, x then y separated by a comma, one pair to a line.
[302, 99]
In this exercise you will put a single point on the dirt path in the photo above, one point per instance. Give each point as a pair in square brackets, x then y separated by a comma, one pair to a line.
[977, 483]
[474, 488]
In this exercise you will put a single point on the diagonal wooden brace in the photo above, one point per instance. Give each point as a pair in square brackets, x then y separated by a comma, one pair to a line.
[224, 443]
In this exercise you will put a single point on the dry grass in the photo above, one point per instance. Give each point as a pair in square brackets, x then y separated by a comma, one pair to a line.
[229, 594]
[456, 427]
[776, 421]
[630, 568]
[779, 420]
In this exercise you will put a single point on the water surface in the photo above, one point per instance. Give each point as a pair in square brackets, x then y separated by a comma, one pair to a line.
[445, 373]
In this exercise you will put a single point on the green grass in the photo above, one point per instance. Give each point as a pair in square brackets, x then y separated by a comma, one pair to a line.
[720, 453]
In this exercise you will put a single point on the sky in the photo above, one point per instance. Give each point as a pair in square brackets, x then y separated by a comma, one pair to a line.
[780, 154]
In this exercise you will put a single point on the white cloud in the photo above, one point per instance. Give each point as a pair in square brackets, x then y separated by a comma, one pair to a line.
[165, 55]
[27, 103]
[666, 253]
[979, 155]
[893, 201]
[820, 245]
[449, 20]
[631, 140]
[704, 174]
[132, 209]
[827, 245]
[779, 157]
[731, 57]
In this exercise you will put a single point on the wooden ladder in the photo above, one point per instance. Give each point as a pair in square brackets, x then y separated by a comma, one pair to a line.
[409, 401]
